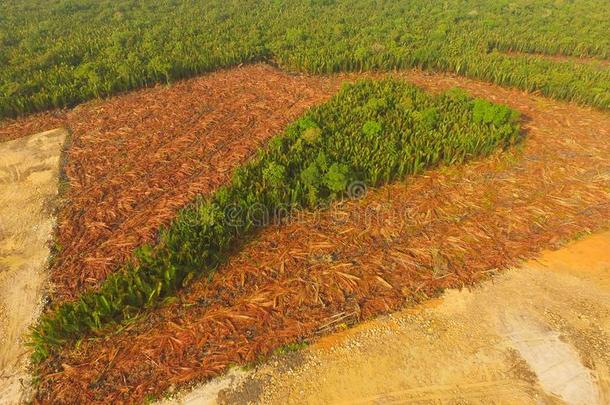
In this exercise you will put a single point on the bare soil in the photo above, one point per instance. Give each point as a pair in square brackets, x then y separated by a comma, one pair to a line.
[29, 180]
[537, 334]
[401, 244]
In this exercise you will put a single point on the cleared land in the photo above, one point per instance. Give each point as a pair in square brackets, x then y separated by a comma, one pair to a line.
[498, 342]
[448, 228]
[372, 132]
[29, 178]
[136, 159]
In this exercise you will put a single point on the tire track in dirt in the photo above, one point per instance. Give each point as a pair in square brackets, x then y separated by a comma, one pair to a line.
[449, 227]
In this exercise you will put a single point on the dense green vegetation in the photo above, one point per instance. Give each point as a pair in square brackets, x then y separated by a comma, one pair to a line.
[55, 53]
[371, 133]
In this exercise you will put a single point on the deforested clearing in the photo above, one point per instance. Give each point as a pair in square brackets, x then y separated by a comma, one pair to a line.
[242, 178]
[467, 205]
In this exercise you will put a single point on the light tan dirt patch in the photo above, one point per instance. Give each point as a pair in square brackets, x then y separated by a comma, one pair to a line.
[29, 169]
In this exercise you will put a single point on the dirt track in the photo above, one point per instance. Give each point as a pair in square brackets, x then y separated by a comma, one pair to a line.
[537, 334]
[29, 170]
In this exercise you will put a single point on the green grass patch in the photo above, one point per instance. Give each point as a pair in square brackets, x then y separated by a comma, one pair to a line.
[369, 134]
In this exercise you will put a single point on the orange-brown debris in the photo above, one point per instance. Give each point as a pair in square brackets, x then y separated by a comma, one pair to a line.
[447, 228]
[136, 159]
[16, 128]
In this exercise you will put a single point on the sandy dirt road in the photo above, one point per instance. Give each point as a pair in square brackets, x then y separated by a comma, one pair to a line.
[29, 169]
[536, 334]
